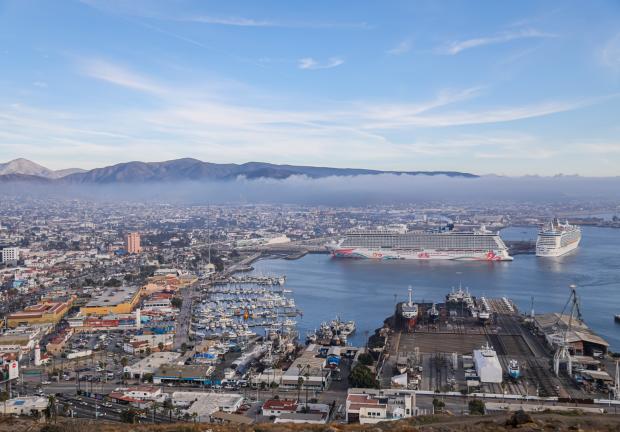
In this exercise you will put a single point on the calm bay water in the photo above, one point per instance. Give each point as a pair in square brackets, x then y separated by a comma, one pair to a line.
[365, 290]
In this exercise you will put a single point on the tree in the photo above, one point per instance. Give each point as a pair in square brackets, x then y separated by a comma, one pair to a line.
[129, 416]
[183, 347]
[160, 346]
[366, 359]
[113, 283]
[148, 351]
[476, 407]
[300, 383]
[438, 404]
[4, 396]
[362, 377]
[51, 407]
[169, 407]
[176, 302]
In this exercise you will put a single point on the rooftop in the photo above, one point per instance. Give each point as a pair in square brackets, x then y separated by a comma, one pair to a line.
[113, 296]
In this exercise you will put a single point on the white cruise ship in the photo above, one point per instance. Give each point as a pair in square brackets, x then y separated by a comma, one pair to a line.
[479, 245]
[556, 239]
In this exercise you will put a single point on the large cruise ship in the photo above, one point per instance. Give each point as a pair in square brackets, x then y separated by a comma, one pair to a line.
[556, 239]
[422, 245]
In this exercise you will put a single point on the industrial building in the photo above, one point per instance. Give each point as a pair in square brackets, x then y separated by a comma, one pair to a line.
[203, 405]
[150, 364]
[113, 300]
[557, 328]
[193, 374]
[487, 365]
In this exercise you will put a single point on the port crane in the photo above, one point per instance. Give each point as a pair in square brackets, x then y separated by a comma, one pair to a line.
[562, 354]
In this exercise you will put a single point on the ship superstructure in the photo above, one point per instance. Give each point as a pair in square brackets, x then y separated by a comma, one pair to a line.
[445, 244]
[556, 239]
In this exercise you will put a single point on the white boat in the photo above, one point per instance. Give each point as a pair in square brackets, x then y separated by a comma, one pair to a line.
[556, 239]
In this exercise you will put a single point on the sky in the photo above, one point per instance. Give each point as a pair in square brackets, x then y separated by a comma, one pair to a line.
[509, 88]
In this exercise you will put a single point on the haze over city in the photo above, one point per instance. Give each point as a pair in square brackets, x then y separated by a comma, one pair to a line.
[481, 87]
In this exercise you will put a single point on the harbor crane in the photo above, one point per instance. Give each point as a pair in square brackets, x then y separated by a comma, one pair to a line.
[562, 354]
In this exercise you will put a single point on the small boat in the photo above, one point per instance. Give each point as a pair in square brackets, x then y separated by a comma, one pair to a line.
[514, 371]
[617, 318]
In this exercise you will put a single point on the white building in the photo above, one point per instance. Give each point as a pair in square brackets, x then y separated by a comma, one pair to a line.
[203, 404]
[25, 405]
[487, 365]
[151, 363]
[369, 406]
[10, 254]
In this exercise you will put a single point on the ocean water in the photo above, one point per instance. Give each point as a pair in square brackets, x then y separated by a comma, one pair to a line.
[367, 290]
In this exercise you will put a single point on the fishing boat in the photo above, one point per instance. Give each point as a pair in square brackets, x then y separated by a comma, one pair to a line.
[514, 371]
[409, 311]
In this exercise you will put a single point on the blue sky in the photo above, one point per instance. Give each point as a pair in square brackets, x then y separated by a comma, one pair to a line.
[514, 88]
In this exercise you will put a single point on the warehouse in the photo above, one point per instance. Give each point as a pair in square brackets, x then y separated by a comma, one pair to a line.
[487, 365]
[581, 340]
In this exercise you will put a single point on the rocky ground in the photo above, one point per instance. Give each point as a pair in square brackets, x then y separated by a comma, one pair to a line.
[503, 422]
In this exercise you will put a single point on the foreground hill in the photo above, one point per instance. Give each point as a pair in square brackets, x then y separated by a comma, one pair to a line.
[491, 423]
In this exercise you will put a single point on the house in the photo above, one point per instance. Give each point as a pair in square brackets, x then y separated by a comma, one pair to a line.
[277, 407]
[369, 406]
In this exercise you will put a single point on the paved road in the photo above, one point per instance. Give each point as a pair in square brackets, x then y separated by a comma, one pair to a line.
[183, 319]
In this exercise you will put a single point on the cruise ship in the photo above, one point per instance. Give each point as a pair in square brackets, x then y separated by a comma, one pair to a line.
[556, 239]
[445, 244]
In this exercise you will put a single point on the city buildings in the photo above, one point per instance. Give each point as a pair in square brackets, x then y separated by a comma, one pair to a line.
[112, 300]
[41, 313]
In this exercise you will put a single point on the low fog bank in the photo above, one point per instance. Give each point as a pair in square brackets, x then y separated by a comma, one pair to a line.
[359, 190]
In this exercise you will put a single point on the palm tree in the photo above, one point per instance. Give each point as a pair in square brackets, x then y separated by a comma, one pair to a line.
[168, 407]
[51, 406]
[300, 383]
[160, 346]
[4, 396]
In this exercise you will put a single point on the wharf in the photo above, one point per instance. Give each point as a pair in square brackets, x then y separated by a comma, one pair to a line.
[440, 352]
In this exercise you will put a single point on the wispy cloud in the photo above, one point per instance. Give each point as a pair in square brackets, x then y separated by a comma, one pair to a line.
[456, 47]
[162, 13]
[237, 21]
[610, 54]
[402, 48]
[116, 74]
[312, 64]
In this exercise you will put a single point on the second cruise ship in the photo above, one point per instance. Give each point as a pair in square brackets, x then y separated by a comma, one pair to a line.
[444, 244]
[556, 239]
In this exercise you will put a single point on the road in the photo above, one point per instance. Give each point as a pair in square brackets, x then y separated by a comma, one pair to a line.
[184, 317]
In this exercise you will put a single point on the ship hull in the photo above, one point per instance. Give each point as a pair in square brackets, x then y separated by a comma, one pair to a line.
[556, 252]
[424, 255]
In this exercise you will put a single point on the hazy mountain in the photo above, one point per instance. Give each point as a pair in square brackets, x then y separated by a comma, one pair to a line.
[29, 168]
[193, 169]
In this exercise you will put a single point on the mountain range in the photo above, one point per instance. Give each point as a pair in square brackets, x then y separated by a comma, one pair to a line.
[186, 169]
[26, 167]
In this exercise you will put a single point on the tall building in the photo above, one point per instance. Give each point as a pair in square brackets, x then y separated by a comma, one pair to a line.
[132, 243]
[10, 254]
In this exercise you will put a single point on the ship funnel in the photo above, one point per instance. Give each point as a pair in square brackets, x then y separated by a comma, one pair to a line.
[410, 295]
